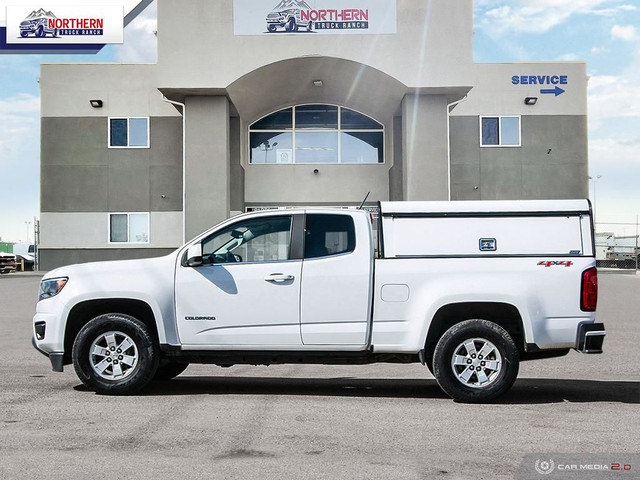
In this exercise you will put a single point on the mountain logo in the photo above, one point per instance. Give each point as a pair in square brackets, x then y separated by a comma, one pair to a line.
[287, 16]
[37, 24]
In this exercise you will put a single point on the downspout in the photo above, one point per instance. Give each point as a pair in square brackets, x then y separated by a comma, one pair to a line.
[184, 164]
[449, 108]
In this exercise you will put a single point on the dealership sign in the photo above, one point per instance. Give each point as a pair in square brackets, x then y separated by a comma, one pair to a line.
[71, 26]
[314, 17]
[64, 24]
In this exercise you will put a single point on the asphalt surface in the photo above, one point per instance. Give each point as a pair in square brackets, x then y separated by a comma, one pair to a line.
[280, 422]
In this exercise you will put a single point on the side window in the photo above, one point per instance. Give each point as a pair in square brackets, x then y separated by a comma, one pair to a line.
[327, 235]
[266, 239]
[129, 132]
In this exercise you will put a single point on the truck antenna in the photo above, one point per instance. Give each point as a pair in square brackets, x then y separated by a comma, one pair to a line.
[365, 199]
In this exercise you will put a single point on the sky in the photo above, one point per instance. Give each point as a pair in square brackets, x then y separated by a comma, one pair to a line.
[603, 33]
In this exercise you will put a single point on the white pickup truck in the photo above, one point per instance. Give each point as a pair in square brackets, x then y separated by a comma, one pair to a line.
[468, 289]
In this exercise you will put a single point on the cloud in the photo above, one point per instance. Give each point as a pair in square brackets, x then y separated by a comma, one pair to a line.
[19, 120]
[615, 150]
[612, 97]
[628, 33]
[540, 16]
[140, 43]
[569, 57]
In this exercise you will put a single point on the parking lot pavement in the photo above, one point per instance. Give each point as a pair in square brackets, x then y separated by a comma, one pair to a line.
[299, 421]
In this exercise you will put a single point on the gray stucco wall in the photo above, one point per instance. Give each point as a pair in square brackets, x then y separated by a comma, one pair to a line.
[551, 164]
[54, 258]
[80, 174]
[432, 46]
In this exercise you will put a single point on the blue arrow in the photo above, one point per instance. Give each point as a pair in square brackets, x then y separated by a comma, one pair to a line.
[556, 91]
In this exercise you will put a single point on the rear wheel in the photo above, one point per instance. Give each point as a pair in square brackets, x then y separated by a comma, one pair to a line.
[475, 361]
[115, 354]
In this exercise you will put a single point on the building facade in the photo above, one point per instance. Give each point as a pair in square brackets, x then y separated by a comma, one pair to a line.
[296, 103]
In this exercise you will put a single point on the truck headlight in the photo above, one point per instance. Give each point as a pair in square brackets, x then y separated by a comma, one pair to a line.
[51, 287]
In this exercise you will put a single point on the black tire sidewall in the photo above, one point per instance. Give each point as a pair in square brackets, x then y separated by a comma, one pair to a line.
[138, 332]
[457, 334]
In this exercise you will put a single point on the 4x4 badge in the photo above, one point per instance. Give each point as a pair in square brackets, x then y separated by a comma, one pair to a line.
[548, 263]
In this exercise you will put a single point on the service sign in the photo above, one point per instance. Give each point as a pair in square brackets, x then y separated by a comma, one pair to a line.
[54, 24]
[314, 17]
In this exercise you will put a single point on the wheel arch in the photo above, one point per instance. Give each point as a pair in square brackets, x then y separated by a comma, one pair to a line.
[503, 314]
[83, 312]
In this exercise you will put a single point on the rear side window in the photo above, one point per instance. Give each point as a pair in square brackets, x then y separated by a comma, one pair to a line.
[327, 234]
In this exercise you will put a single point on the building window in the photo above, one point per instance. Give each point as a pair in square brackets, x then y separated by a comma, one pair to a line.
[128, 228]
[500, 131]
[316, 134]
[130, 132]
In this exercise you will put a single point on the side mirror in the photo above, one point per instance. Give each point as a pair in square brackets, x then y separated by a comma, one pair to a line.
[194, 255]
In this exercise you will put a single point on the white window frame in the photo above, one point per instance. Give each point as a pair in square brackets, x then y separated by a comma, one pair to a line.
[128, 242]
[148, 145]
[500, 117]
[339, 131]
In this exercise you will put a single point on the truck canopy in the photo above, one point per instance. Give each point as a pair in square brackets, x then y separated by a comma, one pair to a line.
[558, 228]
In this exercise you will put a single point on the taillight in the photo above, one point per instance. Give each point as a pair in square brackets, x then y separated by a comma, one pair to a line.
[589, 293]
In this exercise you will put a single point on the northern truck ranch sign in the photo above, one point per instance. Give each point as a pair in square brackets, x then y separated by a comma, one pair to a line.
[333, 17]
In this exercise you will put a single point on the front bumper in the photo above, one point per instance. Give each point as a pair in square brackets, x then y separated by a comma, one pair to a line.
[56, 358]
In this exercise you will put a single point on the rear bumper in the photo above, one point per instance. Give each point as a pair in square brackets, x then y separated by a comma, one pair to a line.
[590, 337]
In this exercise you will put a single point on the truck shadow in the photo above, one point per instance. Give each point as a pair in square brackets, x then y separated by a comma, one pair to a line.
[525, 391]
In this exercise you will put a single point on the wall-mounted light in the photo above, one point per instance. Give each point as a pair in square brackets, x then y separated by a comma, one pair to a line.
[318, 83]
[96, 103]
[316, 171]
[531, 100]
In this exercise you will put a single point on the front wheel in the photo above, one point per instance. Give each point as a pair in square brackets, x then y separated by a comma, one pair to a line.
[115, 354]
[476, 361]
[291, 26]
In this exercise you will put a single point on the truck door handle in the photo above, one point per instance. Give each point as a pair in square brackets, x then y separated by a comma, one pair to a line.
[278, 278]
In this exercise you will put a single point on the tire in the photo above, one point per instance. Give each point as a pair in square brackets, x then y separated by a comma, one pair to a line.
[291, 25]
[458, 355]
[40, 32]
[96, 352]
[24, 34]
[271, 28]
[169, 369]
[429, 363]
[310, 26]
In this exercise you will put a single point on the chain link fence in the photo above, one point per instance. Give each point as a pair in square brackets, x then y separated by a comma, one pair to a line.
[615, 247]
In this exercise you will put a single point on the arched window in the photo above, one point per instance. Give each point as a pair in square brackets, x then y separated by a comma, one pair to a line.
[314, 134]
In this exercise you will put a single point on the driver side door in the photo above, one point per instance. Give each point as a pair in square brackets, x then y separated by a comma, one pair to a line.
[247, 290]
